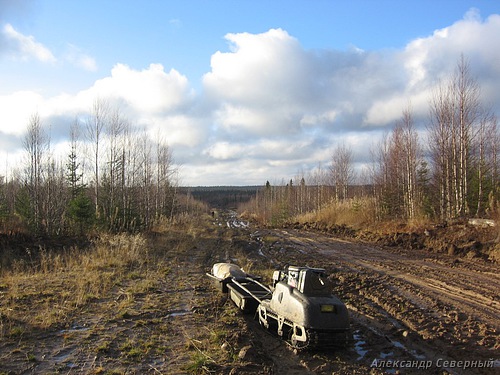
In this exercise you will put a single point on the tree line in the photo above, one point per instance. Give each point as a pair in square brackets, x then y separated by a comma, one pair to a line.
[450, 170]
[225, 197]
[117, 178]
[114, 178]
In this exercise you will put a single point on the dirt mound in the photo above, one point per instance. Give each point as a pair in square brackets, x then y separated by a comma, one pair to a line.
[460, 238]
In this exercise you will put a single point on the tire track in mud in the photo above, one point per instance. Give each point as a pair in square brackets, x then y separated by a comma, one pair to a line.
[404, 305]
[469, 289]
[476, 300]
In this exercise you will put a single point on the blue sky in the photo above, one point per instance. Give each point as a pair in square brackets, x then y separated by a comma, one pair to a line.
[244, 91]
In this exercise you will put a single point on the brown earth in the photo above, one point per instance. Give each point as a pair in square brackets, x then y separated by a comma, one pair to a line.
[458, 238]
[408, 307]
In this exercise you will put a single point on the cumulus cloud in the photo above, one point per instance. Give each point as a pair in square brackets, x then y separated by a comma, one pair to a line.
[22, 47]
[268, 107]
[152, 100]
[269, 85]
[261, 85]
[268, 91]
[16, 109]
[149, 91]
[427, 61]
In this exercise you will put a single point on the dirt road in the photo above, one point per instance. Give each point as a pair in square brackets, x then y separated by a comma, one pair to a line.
[409, 308]
[412, 312]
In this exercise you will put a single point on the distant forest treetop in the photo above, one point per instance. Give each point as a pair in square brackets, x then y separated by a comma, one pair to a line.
[222, 196]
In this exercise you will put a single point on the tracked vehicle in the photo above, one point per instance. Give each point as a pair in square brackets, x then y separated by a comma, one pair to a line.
[299, 306]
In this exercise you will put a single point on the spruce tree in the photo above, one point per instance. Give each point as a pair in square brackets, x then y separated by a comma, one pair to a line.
[80, 207]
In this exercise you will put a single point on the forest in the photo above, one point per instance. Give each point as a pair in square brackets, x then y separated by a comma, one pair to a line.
[116, 178]
[448, 172]
[113, 179]
[227, 197]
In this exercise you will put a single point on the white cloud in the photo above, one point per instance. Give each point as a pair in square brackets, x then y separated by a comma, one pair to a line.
[75, 56]
[24, 47]
[268, 85]
[148, 96]
[225, 151]
[151, 90]
[21, 47]
[262, 84]
[385, 111]
[177, 130]
[151, 99]
[244, 171]
[268, 91]
[270, 152]
[16, 110]
[269, 108]
[242, 121]
[427, 61]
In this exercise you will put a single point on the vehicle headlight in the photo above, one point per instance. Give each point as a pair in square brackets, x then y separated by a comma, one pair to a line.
[327, 308]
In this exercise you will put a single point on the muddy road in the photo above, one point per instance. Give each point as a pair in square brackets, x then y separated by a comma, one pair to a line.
[412, 312]
[409, 308]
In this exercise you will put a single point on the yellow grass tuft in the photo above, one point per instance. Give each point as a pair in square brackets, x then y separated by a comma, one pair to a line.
[357, 213]
[60, 283]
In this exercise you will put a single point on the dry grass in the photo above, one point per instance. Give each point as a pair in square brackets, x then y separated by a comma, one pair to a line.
[58, 284]
[357, 213]
[360, 213]
[127, 304]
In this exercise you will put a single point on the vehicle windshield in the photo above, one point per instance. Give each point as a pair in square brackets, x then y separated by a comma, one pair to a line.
[317, 283]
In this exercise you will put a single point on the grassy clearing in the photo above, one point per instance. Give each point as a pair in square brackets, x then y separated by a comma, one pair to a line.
[50, 291]
[126, 302]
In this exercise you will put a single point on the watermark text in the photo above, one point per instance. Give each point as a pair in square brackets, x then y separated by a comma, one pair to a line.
[427, 364]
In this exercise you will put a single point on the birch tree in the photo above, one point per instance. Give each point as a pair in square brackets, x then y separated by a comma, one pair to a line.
[454, 120]
[36, 146]
[165, 184]
[440, 145]
[95, 125]
[342, 171]
[395, 175]
[410, 159]
[486, 161]
[466, 97]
